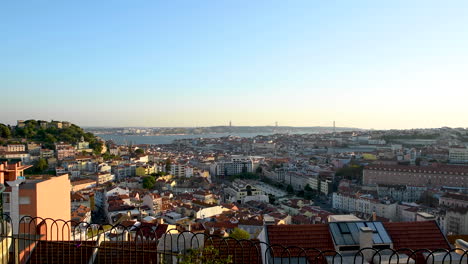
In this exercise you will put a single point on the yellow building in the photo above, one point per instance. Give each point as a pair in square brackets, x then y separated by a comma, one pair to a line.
[145, 170]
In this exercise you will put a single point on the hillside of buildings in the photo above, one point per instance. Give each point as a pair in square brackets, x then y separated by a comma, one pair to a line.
[48, 134]
[271, 187]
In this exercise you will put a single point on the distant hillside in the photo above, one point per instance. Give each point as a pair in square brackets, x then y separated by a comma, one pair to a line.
[49, 133]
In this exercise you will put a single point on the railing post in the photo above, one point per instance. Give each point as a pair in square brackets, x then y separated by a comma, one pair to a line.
[16, 250]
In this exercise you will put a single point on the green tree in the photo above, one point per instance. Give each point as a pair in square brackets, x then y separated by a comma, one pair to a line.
[239, 233]
[290, 189]
[353, 172]
[168, 165]
[259, 170]
[139, 151]
[148, 182]
[207, 255]
[271, 198]
[5, 131]
[97, 146]
[41, 165]
[307, 188]
[108, 156]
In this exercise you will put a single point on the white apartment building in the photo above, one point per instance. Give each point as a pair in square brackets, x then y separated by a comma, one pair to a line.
[365, 204]
[237, 165]
[454, 200]
[16, 148]
[103, 177]
[458, 155]
[239, 190]
[124, 171]
[456, 220]
[401, 193]
[181, 170]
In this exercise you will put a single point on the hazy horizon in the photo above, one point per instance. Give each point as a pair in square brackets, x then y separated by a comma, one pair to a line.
[364, 64]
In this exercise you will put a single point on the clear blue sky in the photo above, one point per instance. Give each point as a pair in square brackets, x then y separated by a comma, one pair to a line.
[369, 64]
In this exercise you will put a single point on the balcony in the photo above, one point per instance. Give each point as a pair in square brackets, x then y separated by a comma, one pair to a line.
[44, 241]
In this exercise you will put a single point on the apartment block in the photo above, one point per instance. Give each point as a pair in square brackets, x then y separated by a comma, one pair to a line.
[433, 176]
[35, 198]
[458, 155]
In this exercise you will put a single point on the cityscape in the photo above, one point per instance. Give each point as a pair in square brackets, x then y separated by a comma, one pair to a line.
[234, 132]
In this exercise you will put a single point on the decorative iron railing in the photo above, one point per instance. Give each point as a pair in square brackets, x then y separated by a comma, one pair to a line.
[38, 240]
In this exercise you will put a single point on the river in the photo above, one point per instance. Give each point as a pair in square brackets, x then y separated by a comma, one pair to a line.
[168, 139]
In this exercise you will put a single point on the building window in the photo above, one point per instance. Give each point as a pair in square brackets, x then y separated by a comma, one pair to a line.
[6, 197]
[24, 200]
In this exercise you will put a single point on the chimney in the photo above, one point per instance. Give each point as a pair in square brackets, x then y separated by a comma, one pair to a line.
[374, 216]
[268, 220]
[365, 241]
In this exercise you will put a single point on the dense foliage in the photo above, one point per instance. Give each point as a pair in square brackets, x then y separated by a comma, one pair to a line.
[353, 172]
[206, 255]
[149, 182]
[5, 131]
[244, 175]
[139, 151]
[239, 234]
[393, 138]
[50, 135]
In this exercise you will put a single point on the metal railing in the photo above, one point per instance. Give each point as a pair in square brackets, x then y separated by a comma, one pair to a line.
[50, 241]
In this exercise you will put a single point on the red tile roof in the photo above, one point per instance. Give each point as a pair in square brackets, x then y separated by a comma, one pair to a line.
[302, 236]
[127, 252]
[416, 235]
[62, 252]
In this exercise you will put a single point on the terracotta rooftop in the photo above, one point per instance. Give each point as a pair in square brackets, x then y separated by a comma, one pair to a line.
[416, 235]
[305, 236]
[62, 252]
[124, 252]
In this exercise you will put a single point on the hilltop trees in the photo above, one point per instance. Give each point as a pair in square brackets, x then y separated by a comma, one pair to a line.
[50, 135]
[5, 131]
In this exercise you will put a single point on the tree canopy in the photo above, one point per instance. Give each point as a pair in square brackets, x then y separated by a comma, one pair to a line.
[353, 172]
[168, 165]
[139, 151]
[148, 182]
[41, 165]
[51, 135]
[5, 131]
[239, 233]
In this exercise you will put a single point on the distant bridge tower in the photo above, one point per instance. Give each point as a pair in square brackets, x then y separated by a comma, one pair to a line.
[334, 128]
[276, 123]
[230, 123]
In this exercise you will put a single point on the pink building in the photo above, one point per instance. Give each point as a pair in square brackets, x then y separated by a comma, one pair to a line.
[41, 196]
[10, 172]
